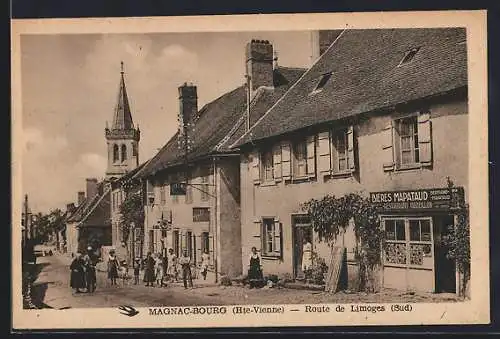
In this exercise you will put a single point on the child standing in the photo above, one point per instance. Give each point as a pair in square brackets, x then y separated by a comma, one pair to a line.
[137, 269]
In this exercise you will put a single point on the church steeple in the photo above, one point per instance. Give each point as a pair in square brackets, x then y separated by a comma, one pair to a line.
[123, 138]
[122, 118]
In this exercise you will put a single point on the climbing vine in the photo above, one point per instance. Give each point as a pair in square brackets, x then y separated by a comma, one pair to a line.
[331, 215]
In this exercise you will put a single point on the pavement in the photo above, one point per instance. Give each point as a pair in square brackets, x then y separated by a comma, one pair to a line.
[51, 290]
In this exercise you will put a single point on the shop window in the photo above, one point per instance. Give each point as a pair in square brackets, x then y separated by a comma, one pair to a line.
[189, 244]
[271, 237]
[408, 242]
[267, 166]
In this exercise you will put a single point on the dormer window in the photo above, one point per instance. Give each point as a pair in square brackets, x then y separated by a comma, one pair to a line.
[409, 56]
[322, 82]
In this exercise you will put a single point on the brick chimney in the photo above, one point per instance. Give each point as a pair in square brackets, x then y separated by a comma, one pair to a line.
[188, 103]
[260, 64]
[70, 207]
[91, 187]
[81, 198]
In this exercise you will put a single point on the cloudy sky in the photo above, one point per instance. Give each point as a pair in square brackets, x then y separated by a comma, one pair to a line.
[70, 84]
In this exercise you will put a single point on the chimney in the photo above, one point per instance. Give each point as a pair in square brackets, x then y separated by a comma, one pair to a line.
[259, 64]
[188, 104]
[70, 207]
[91, 187]
[81, 198]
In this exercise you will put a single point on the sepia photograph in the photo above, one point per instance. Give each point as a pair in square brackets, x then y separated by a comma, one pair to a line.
[254, 171]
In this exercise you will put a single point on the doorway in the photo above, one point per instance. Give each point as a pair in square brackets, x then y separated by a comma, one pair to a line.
[302, 234]
[445, 268]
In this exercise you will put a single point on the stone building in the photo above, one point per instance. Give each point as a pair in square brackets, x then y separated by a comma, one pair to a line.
[192, 185]
[381, 113]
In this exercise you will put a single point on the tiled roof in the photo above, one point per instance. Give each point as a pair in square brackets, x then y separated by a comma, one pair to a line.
[221, 121]
[86, 206]
[366, 77]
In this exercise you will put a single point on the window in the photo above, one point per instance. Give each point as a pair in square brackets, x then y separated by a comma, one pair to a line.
[407, 129]
[267, 166]
[322, 82]
[201, 214]
[163, 199]
[124, 153]
[116, 153]
[340, 151]
[300, 159]
[271, 237]
[409, 56]
[408, 242]
[205, 242]
[135, 151]
[205, 188]
[407, 142]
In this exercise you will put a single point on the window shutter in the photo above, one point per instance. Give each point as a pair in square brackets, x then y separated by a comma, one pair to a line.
[277, 162]
[350, 149]
[286, 165]
[255, 167]
[197, 240]
[324, 153]
[387, 147]
[311, 156]
[277, 237]
[211, 249]
[257, 229]
[425, 138]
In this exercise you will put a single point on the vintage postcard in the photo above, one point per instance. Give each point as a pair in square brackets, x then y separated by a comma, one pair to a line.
[254, 170]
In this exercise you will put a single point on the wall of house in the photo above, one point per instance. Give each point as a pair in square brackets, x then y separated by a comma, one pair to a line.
[229, 230]
[71, 238]
[117, 197]
[282, 200]
[224, 240]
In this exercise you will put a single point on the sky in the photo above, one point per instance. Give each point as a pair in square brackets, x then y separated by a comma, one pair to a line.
[70, 86]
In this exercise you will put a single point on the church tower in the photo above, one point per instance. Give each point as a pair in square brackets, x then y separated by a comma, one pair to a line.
[122, 138]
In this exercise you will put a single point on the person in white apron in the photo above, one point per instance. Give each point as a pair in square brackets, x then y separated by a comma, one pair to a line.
[306, 255]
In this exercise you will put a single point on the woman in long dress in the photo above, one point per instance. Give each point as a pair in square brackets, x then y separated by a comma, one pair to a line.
[172, 265]
[112, 267]
[149, 270]
[254, 270]
[77, 277]
[306, 255]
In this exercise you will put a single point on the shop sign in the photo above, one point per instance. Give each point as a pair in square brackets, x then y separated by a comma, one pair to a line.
[424, 199]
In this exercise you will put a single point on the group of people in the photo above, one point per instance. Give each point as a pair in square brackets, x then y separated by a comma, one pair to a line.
[83, 271]
[158, 269]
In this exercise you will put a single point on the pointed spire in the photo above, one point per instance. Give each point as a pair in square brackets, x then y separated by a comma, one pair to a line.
[122, 118]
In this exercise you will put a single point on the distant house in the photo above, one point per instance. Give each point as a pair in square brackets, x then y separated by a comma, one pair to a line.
[90, 224]
[382, 113]
[193, 183]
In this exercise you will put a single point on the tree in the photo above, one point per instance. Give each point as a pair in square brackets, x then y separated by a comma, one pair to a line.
[132, 213]
[330, 216]
[458, 243]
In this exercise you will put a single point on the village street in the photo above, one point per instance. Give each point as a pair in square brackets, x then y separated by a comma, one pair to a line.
[51, 289]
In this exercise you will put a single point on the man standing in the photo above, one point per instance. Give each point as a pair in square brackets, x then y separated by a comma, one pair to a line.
[185, 262]
[90, 260]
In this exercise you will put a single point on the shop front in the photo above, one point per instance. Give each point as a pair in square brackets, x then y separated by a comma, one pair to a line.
[416, 223]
